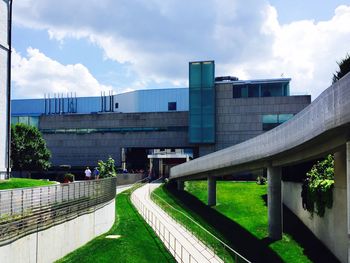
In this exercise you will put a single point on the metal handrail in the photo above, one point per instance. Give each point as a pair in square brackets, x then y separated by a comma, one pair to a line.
[179, 252]
[27, 210]
[237, 254]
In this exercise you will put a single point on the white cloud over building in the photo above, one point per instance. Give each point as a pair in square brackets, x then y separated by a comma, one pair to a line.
[156, 39]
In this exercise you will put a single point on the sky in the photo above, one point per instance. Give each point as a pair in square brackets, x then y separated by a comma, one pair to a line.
[93, 46]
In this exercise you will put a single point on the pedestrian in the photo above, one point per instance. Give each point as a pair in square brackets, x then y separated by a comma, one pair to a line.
[87, 173]
[96, 173]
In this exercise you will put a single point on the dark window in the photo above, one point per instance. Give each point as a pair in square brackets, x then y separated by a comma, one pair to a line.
[116, 105]
[271, 121]
[171, 105]
[253, 91]
[236, 92]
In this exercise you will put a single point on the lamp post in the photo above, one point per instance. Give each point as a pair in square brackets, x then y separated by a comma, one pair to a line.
[8, 132]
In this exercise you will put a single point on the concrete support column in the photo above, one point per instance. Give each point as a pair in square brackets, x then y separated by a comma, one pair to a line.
[211, 191]
[348, 194]
[180, 185]
[160, 167]
[123, 159]
[274, 202]
[150, 166]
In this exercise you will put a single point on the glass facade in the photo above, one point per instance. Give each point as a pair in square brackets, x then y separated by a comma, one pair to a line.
[202, 102]
[262, 89]
[271, 121]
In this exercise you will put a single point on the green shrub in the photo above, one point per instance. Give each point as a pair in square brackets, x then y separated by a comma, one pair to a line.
[317, 188]
[261, 180]
[107, 168]
[68, 177]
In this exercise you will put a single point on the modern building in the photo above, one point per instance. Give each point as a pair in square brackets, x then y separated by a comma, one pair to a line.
[4, 79]
[162, 127]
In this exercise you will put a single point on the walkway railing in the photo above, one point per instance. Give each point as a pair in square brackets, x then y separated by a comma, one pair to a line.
[219, 244]
[179, 252]
[27, 210]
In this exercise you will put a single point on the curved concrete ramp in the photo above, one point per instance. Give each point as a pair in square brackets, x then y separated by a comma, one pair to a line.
[320, 128]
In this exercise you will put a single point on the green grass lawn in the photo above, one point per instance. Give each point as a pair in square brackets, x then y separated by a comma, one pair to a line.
[244, 203]
[137, 243]
[240, 219]
[21, 183]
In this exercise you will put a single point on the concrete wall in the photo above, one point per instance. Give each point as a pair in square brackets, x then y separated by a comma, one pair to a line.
[236, 120]
[124, 179]
[3, 85]
[330, 229]
[52, 244]
[240, 119]
[87, 149]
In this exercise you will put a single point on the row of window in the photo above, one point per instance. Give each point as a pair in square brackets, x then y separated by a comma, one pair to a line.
[261, 90]
[29, 120]
[271, 121]
[114, 130]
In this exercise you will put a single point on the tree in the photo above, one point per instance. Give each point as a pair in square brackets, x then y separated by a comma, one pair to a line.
[28, 149]
[344, 68]
[107, 168]
[317, 189]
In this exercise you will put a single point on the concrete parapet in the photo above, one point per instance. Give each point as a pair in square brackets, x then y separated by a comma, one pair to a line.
[55, 242]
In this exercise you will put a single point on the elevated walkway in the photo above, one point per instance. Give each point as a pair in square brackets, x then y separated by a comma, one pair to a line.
[320, 129]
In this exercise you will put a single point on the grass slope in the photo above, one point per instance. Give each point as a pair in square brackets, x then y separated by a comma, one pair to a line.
[21, 183]
[245, 203]
[137, 243]
[163, 198]
[240, 219]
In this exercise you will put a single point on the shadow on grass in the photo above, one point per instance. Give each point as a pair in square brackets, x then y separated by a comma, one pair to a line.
[238, 238]
[314, 249]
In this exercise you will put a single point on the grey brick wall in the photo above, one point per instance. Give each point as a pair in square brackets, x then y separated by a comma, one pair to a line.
[240, 119]
[87, 149]
[237, 120]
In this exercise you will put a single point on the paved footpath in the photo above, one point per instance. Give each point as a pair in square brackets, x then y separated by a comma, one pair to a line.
[180, 242]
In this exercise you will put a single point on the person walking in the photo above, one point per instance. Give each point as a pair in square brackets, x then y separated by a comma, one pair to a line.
[96, 173]
[87, 174]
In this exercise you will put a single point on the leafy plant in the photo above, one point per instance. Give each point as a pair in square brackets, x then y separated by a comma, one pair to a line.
[317, 188]
[68, 177]
[261, 180]
[28, 148]
[344, 68]
[107, 169]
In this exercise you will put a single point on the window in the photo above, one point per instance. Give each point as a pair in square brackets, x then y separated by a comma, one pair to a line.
[253, 91]
[171, 106]
[261, 89]
[116, 105]
[284, 117]
[271, 121]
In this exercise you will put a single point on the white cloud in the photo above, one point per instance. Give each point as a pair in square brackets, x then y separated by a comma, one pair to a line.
[37, 74]
[158, 38]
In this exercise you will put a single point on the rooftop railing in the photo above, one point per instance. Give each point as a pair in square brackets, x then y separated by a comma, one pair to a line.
[28, 210]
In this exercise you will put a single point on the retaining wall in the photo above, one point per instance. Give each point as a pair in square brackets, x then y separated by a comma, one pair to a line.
[57, 241]
[331, 229]
[123, 179]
